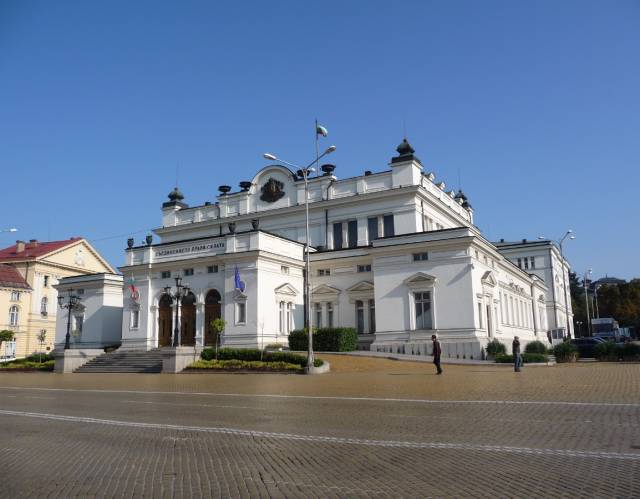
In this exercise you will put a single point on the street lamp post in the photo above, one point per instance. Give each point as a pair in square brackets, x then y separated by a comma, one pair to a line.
[586, 299]
[560, 243]
[595, 293]
[564, 280]
[182, 290]
[72, 301]
[305, 175]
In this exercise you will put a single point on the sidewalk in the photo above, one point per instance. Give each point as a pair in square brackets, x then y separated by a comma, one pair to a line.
[428, 359]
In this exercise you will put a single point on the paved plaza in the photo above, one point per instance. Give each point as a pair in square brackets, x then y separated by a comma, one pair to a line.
[370, 428]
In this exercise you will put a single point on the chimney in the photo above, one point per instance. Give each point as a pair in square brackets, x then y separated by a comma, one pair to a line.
[19, 246]
[33, 243]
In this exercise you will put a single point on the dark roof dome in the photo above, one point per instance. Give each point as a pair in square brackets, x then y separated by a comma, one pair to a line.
[461, 195]
[405, 148]
[176, 195]
[405, 153]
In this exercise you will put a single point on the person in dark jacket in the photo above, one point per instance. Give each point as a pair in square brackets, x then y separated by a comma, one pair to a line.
[436, 353]
[517, 357]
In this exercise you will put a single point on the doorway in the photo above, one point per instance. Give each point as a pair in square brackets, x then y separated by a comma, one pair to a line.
[188, 320]
[212, 310]
[164, 321]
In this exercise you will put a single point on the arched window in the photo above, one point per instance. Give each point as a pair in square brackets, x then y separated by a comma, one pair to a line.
[14, 315]
[44, 305]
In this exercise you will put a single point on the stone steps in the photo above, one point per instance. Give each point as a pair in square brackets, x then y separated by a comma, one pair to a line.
[124, 362]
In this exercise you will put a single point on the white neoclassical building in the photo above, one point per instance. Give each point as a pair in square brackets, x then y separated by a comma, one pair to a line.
[395, 254]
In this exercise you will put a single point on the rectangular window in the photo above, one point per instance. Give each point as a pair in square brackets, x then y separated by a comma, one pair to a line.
[324, 272]
[281, 317]
[337, 235]
[135, 319]
[188, 272]
[360, 316]
[480, 325]
[289, 318]
[420, 257]
[352, 231]
[526, 263]
[212, 269]
[15, 296]
[284, 269]
[372, 228]
[46, 281]
[241, 313]
[165, 274]
[318, 308]
[424, 319]
[389, 229]
[372, 316]
[520, 262]
[532, 262]
[329, 314]
[80, 291]
[364, 268]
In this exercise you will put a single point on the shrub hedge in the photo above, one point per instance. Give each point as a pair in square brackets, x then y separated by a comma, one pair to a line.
[535, 347]
[325, 339]
[527, 358]
[614, 351]
[254, 354]
[565, 352]
[495, 348]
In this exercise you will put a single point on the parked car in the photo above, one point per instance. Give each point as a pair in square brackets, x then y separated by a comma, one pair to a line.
[586, 346]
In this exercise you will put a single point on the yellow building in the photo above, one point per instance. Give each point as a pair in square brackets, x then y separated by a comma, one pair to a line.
[29, 307]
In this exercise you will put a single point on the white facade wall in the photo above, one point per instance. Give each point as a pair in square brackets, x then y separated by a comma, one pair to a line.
[96, 321]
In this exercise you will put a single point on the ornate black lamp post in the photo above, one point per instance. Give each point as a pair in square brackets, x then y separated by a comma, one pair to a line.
[72, 301]
[181, 292]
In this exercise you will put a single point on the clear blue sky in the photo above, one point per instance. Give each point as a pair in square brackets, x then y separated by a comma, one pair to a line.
[536, 103]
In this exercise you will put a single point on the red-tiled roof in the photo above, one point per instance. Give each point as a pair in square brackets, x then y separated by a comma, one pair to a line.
[33, 250]
[11, 278]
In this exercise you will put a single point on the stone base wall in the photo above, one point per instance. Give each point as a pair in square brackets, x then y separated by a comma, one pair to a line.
[66, 361]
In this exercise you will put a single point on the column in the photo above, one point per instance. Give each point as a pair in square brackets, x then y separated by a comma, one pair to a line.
[363, 238]
[200, 325]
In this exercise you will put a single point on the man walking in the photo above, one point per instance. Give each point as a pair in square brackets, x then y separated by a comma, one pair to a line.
[436, 353]
[517, 358]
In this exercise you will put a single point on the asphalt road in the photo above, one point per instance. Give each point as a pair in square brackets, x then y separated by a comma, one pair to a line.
[397, 432]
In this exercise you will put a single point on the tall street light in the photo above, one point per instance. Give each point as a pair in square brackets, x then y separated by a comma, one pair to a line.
[560, 243]
[304, 172]
[595, 294]
[182, 290]
[586, 298]
[72, 302]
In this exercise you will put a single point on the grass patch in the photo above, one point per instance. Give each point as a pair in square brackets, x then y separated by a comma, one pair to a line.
[254, 354]
[246, 365]
[31, 363]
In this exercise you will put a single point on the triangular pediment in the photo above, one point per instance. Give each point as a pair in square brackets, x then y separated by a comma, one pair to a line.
[286, 289]
[325, 289]
[488, 278]
[420, 278]
[363, 286]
